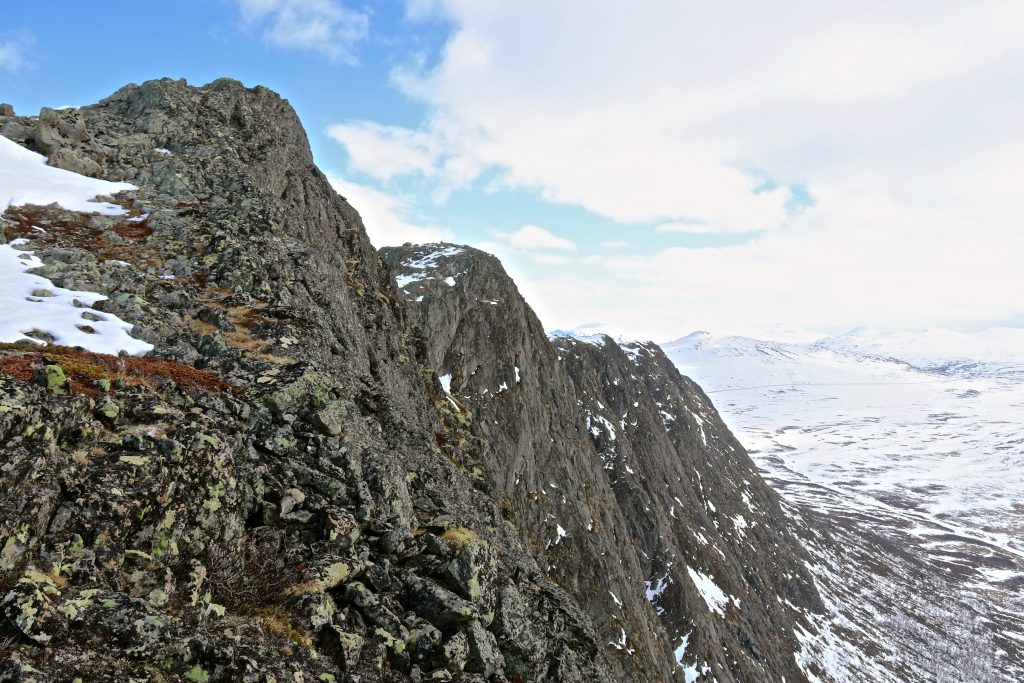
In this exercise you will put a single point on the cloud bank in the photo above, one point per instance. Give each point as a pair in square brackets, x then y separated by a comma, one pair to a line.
[872, 148]
[385, 216]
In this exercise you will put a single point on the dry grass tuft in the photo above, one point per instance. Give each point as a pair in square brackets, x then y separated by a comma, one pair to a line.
[244, 319]
[461, 537]
[251, 573]
[276, 621]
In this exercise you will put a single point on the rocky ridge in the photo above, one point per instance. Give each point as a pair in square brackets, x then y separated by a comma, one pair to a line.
[284, 490]
[595, 445]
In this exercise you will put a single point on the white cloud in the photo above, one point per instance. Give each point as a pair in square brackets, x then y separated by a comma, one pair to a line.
[12, 53]
[386, 151]
[691, 227]
[530, 237]
[10, 56]
[323, 26]
[384, 216]
[901, 120]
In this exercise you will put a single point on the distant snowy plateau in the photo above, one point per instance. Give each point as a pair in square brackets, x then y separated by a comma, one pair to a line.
[903, 457]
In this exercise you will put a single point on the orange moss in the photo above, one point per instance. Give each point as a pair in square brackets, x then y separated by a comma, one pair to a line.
[83, 367]
[460, 537]
[134, 229]
[74, 229]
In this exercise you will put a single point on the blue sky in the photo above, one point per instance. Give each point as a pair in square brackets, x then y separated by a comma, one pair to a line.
[656, 168]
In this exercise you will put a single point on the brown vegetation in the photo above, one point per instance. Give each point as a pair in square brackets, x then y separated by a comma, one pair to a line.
[243, 320]
[19, 361]
[252, 572]
[48, 226]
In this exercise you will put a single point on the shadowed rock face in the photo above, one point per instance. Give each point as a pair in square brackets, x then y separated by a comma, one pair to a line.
[620, 476]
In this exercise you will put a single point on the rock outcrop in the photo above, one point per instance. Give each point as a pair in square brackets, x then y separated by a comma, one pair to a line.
[284, 489]
[620, 475]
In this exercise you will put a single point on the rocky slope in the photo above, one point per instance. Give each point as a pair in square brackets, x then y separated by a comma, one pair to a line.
[283, 489]
[619, 474]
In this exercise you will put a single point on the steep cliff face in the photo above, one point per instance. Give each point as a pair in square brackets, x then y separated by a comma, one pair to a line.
[281, 490]
[620, 476]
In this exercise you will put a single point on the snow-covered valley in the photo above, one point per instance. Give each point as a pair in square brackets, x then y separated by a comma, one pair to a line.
[904, 456]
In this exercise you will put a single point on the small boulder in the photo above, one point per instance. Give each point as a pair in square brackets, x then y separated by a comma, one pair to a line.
[331, 418]
[464, 569]
[484, 656]
[108, 409]
[436, 604]
[455, 652]
[52, 377]
[291, 499]
[69, 160]
[57, 127]
[344, 647]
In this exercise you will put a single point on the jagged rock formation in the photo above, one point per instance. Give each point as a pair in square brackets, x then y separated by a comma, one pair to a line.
[284, 490]
[620, 475]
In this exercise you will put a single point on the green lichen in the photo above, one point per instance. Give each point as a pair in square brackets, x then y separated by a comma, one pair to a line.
[52, 378]
[197, 674]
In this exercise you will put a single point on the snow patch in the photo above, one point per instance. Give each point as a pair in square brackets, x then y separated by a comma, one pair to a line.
[405, 280]
[32, 303]
[654, 588]
[26, 179]
[690, 673]
[714, 596]
[593, 422]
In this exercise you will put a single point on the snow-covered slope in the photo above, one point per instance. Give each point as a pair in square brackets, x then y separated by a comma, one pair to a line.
[32, 308]
[995, 345]
[905, 455]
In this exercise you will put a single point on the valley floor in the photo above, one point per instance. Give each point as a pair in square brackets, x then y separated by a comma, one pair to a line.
[905, 461]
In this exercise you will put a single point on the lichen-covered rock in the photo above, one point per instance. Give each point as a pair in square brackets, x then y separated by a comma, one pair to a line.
[31, 605]
[436, 604]
[52, 377]
[108, 408]
[277, 492]
[484, 656]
